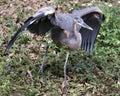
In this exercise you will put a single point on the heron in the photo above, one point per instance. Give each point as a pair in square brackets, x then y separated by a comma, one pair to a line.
[75, 30]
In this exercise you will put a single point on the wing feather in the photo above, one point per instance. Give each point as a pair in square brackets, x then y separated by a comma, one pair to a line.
[94, 21]
[31, 23]
[86, 11]
[92, 16]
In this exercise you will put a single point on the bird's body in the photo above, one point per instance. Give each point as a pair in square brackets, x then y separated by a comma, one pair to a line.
[61, 25]
[75, 30]
[63, 37]
[66, 34]
[63, 20]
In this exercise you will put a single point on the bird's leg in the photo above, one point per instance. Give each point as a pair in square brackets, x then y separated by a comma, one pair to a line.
[65, 77]
[44, 57]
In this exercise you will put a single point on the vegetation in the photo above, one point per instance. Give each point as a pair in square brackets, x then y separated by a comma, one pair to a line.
[89, 74]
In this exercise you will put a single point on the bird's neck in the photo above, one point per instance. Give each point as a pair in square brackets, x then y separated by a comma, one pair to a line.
[75, 32]
[74, 28]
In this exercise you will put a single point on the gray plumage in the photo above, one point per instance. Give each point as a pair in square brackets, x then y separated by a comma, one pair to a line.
[75, 30]
[48, 18]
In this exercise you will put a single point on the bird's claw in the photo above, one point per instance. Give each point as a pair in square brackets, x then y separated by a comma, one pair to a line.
[64, 87]
[41, 69]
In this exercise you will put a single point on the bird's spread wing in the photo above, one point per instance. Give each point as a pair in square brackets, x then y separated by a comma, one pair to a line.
[35, 24]
[93, 17]
[86, 11]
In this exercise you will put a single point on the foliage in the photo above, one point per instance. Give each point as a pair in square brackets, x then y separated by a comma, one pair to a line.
[89, 74]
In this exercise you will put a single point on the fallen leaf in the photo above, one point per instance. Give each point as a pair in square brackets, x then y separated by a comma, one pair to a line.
[33, 56]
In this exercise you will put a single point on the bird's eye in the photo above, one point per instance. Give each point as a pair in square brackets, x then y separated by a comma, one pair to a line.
[76, 18]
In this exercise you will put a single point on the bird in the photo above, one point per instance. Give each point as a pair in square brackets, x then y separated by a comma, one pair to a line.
[75, 30]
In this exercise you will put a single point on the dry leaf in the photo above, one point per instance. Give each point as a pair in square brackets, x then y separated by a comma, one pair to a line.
[33, 56]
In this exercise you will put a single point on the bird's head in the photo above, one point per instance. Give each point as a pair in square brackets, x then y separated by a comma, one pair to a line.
[79, 21]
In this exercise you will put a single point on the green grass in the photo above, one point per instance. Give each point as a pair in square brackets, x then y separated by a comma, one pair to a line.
[95, 74]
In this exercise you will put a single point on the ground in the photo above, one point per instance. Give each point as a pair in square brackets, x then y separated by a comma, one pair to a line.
[89, 74]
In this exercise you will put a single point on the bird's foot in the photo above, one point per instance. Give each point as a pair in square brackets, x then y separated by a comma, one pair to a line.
[41, 69]
[64, 87]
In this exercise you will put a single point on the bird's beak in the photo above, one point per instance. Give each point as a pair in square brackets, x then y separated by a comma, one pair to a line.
[84, 25]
